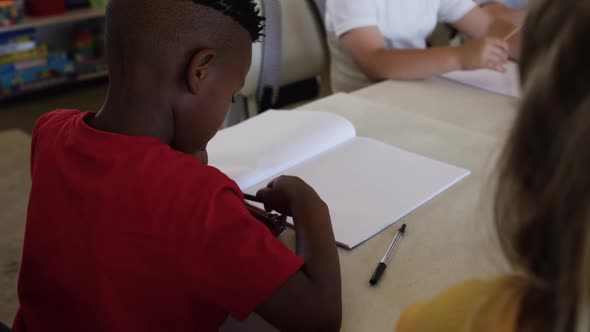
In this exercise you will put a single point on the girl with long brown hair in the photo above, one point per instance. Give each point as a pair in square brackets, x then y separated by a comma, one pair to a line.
[542, 203]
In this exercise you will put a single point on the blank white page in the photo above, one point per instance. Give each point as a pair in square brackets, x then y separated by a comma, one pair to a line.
[264, 146]
[506, 84]
[369, 185]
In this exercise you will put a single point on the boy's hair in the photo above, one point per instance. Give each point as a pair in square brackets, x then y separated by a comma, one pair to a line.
[542, 203]
[244, 12]
[149, 31]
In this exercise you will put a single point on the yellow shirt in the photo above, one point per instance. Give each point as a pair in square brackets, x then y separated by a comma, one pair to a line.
[472, 306]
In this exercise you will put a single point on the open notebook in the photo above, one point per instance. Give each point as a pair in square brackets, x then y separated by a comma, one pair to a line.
[368, 185]
[506, 84]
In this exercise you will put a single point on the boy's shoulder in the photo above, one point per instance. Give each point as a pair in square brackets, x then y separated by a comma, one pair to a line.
[55, 118]
[189, 188]
[164, 170]
[52, 122]
[158, 162]
[186, 171]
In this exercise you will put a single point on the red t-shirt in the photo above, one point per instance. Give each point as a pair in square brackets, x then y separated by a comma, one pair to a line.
[126, 234]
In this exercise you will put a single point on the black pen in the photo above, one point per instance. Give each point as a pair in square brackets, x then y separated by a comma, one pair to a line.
[383, 264]
[252, 198]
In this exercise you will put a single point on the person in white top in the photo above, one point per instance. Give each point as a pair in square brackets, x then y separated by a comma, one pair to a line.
[372, 40]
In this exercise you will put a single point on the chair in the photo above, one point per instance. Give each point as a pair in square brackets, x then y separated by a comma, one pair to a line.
[262, 82]
[304, 49]
[320, 6]
[293, 49]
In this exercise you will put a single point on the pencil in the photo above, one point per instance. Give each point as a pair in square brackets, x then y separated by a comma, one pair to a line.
[511, 34]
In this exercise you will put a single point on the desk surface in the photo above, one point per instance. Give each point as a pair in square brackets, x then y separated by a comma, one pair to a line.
[448, 240]
[451, 102]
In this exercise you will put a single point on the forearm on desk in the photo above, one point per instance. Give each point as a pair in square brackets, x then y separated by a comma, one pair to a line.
[316, 245]
[479, 23]
[409, 64]
[311, 300]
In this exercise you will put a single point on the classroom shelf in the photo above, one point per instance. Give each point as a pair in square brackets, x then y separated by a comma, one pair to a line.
[72, 15]
[54, 83]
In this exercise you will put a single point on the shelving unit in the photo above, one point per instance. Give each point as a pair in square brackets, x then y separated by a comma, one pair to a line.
[54, 83]
[73, 15]
[69, 17]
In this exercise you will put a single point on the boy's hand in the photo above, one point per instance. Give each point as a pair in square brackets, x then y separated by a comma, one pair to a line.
[311, 300]
[284, 193]
[487, 52]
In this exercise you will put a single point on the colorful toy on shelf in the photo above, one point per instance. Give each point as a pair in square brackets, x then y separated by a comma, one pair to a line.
[83, 43]
[93, 67]
[26, 62]
[16, 77]
[15, 47]
[38, 52]
[19, 46]
[17, 36]
[86, 53]
[11, 12]
[46, 7]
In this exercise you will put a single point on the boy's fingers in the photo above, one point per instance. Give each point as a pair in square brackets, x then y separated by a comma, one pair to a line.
[271, 184]
[263, 194]
[266, 197]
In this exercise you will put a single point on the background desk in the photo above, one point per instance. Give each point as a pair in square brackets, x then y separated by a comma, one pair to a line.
[448, 240]
[448, 101]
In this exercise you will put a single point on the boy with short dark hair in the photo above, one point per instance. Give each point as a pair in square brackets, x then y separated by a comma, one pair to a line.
[128, 229]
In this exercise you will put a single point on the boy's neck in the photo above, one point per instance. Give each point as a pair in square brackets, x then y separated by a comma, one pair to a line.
[134, 115]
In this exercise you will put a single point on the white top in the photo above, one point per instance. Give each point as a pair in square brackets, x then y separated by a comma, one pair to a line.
[405, 24]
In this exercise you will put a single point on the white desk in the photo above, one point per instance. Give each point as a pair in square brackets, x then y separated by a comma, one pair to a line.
[451, 102]
[448, 240]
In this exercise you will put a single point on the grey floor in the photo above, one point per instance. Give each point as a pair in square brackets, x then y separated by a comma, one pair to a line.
[22, 113]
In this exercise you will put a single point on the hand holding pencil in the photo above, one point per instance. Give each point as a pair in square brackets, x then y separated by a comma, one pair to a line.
[512, 33]
[484, 53]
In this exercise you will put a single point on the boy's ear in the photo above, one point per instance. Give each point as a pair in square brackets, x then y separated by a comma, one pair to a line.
[199, 68]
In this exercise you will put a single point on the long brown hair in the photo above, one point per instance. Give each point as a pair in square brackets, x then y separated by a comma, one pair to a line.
[542, 203]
